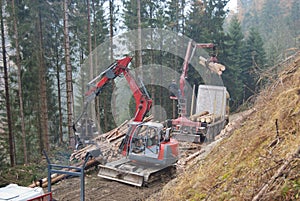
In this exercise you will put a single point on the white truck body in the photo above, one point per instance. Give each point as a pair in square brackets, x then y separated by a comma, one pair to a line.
[13, 192]
[212, 99]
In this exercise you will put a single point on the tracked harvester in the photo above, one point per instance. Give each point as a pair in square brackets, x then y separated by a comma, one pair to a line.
[149, 152]
[147, 148]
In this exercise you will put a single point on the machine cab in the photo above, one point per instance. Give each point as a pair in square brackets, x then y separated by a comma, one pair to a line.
[150, 143]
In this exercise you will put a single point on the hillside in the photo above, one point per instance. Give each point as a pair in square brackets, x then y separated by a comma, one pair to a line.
[257, 5]
[260, 160]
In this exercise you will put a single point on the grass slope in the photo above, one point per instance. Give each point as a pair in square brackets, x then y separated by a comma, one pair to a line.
[259, 161]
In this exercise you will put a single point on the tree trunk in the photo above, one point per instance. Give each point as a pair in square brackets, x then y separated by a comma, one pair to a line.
[97, 101]
[139, 39]
[43, 87]
[91, 68]
[19, 83]
[68, 75]
[12, 150]
[111, 35]
[59, 96]
[111, 27]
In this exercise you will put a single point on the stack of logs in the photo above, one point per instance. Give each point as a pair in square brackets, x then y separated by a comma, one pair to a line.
[215, 67]
[205, 117]
[108, 143]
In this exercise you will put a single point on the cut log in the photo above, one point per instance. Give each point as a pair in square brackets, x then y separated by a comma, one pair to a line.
[117, 137]
[215, 67]
[195, 116]
[189, 158]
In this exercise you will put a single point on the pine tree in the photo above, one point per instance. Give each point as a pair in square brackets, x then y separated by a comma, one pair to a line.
[35, 69]
[274, 30]
[196, 23]
[205, 21]
[18, 62]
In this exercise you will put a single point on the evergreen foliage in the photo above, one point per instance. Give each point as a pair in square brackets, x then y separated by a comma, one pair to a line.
[233, 57]
[277, 22]
[293, 22]
[241, 50]
[253, 63]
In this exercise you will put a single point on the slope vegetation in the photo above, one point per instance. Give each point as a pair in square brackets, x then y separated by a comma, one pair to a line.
[258, 161]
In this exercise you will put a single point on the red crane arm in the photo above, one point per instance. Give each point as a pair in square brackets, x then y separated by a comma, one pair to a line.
[114, 70]
[143, 101]
[188, 55]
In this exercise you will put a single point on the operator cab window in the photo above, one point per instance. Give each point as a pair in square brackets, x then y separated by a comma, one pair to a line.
[145, 139]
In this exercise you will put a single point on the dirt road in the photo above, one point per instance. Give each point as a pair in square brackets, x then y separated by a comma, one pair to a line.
[101, 189]
[97, 188]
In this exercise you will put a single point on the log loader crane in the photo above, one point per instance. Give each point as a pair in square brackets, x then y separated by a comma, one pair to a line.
[195, 129]
[147, 148]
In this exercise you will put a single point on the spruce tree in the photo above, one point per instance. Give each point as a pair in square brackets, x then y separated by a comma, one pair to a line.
[232, 77]
[253, 63]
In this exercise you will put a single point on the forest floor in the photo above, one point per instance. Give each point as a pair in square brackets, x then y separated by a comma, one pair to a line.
[97, 188]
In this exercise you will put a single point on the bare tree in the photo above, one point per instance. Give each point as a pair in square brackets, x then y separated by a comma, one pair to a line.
[11, 137]
[68, 73]
[18, 62]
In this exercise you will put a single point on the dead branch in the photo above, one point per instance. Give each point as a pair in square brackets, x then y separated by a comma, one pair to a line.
[276, 175]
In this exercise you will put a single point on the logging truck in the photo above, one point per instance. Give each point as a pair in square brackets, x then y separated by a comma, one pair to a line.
[211, 110]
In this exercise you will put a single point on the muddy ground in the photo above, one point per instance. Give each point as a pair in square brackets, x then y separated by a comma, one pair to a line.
[97, 188]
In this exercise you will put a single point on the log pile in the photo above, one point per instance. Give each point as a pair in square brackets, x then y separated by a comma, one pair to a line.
[235, 124]
[215, 67]
[108, 143]
[205, 117]
[194, 117]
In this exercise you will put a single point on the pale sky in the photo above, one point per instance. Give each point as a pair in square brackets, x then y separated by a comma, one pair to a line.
[232, 4]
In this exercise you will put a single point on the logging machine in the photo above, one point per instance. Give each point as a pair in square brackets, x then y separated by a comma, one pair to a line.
[147, 148]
